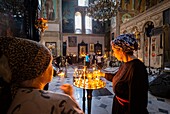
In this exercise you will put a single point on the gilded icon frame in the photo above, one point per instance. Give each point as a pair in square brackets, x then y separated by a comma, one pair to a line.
[91, 47]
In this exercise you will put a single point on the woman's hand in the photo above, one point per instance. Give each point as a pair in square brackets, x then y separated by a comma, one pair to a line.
[67, 89]
[102, 74]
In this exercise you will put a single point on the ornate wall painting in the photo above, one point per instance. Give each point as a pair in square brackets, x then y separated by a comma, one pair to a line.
[68, 11]
[91, 48]
[97, 27]
[98, 48]
[72, 41]
[50, 9]
[51, 46]
[82, 51]
[126, 17]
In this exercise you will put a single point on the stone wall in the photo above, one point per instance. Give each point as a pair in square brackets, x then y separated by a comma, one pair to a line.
[154, 15]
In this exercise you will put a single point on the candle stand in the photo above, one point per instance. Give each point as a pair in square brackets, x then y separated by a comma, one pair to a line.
[88, 80]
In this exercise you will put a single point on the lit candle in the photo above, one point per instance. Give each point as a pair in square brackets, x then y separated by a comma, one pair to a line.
[89, 75]
[84, 62]
[61, 74]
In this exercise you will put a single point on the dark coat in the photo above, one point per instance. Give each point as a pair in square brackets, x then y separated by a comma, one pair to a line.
[131, 86]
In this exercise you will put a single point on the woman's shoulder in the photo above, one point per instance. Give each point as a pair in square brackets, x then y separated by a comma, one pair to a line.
[42, 99]
[56, 95]
[44, 96]
[137, 65]
[135, 61]
[139, 62]
[64, 100]
[134, 64]
[50, 95]
[41, 94]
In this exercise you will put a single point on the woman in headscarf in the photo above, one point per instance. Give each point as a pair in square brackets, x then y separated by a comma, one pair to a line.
[25, 68]
[130, 82]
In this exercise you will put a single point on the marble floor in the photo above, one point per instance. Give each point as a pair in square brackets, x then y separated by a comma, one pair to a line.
[102, 100]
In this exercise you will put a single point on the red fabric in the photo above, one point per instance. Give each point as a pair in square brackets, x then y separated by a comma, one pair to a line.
[122, 101]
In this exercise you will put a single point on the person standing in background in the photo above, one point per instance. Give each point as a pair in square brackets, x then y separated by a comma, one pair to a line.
[99, 61]
[87, 59]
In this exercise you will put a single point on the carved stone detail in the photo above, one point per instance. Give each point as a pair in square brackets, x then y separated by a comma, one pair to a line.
[153, 14]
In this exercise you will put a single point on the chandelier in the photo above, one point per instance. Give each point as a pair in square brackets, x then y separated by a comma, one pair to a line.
[102, 10]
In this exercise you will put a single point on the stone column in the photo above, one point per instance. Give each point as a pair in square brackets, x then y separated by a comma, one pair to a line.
[118, 24]
[142, 46]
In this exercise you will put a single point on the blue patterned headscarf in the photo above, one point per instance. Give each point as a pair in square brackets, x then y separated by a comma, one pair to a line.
[125, 41]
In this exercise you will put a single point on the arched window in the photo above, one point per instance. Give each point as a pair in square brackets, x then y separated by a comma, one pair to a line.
[83, 2]
[88, 24]
[78, 23]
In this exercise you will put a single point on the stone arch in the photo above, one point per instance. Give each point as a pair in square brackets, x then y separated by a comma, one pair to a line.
[148, 26]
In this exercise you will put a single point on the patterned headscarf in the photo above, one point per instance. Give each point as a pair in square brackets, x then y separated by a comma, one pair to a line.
[125, 41]
[27, 59]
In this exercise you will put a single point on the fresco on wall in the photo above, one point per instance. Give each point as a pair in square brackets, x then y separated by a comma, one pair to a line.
[72, 41]
[50, 9]
[68, 10]
[97, 27]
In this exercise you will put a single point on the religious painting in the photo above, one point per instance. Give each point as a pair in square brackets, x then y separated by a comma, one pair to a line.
[82, 51]
[72, 41]
[51, 46]
[68, 12]
[98, 48]
[126, 17]
[97, 27]
[91, 48]
[50, 9]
